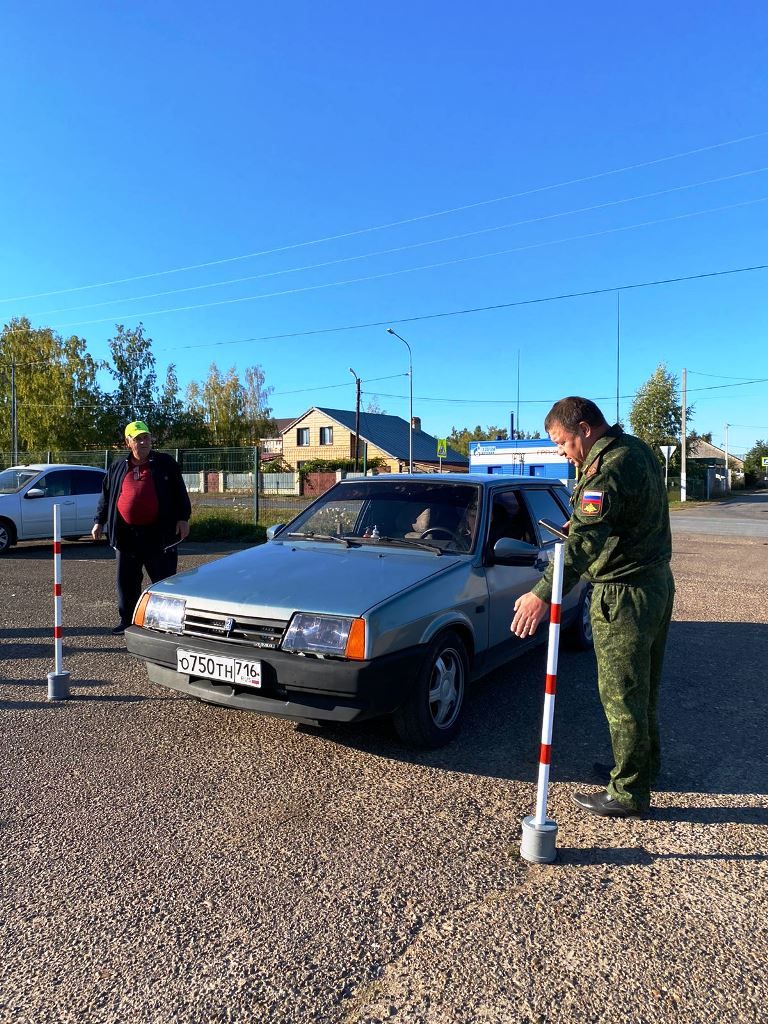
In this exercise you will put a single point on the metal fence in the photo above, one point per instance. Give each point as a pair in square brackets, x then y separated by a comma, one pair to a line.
[220, 481]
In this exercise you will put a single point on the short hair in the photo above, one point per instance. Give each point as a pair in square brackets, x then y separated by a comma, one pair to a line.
[570, 412]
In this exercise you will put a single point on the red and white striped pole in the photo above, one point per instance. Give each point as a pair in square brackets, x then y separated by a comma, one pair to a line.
[539, 831]
[58, 680]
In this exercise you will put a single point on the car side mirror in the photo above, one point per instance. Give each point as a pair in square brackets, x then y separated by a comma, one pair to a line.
[35, 492]
[507, 551]
[272, 530]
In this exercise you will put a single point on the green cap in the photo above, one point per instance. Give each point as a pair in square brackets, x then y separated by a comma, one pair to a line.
[136, 428]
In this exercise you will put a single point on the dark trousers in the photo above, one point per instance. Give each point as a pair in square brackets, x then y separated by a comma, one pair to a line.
[140, 548]
[630, 625]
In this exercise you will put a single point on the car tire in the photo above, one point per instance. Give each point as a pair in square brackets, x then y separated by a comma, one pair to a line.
[431, 715]
[578, 635]
[7, 535]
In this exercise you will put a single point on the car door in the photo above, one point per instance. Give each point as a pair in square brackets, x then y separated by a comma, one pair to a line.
[542, 504]
[37, 512]
[509, 517]
[87, 490]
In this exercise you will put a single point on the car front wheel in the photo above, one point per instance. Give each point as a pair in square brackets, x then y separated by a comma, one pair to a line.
[579, 634]
[431, 715]
[6, 536]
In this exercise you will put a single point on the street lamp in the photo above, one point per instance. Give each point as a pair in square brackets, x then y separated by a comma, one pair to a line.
[410, 381]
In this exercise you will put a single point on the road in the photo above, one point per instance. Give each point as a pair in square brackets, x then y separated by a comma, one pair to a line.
[169, 861]
[743, 515]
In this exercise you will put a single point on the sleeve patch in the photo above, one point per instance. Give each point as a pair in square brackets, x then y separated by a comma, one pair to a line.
[592, 503]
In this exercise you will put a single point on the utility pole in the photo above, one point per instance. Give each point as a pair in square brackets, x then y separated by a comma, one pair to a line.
[357, 419]
[727, 480]
[518, 390]
[618, 349]
[14, 421]
[683, 445]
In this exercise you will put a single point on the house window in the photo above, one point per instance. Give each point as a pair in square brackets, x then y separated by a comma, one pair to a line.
[302, 437]
[326, 435]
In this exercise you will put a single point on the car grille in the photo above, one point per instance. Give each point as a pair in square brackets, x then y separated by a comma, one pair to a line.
[235, 629]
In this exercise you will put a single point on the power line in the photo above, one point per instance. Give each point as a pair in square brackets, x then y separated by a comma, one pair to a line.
[720, 376]
[545, 401]
[452, 400]
[474, 309]
[400, 223]
[289, 335]
[406, 248]
[412, 270]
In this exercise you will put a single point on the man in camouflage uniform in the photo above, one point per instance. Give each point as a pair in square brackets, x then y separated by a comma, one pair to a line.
[619, 540]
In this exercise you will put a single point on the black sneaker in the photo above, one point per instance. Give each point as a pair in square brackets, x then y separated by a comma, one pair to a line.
[118, 630]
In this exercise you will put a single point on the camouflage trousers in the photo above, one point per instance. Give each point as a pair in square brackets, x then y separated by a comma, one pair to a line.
[630, 625]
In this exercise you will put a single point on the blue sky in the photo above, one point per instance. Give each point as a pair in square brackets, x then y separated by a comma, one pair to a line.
[140, 139]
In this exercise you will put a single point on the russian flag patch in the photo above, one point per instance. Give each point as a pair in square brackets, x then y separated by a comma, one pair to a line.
[592, 503]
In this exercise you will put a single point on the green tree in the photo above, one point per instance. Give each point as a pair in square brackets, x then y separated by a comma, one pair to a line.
[133, 370]
[258, 413]
[755, 473]
[223, 403]
[58, 400]
[656, 413]
[459, 438]
[234, 413]
[139, 396]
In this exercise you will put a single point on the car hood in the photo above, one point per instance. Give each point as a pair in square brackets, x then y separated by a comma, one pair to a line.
[278, 578]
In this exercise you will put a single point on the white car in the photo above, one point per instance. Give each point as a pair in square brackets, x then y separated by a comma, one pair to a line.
[28, 494]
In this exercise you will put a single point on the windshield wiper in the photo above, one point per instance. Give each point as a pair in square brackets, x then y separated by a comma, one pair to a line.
[423, 545]
[323, 537]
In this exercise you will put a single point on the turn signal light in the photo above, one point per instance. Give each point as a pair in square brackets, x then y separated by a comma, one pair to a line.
[356, 641]
[141, 607]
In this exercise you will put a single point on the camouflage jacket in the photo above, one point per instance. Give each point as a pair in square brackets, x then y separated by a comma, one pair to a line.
[619, 527]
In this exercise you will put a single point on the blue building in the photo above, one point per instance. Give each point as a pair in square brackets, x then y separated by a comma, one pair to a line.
[519, 458]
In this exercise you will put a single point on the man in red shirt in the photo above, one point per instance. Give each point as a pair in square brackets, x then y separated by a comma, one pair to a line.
[145, 507]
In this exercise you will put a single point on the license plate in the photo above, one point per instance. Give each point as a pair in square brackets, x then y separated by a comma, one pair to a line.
[223, 670]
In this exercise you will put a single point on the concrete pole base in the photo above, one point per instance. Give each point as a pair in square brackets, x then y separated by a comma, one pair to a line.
[538, 845]
[58, 685]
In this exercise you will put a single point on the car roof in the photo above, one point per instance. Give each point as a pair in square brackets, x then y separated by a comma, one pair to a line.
[38, 466]
[485, 480]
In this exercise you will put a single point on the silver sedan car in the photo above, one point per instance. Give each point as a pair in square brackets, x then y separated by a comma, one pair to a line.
[386, 596]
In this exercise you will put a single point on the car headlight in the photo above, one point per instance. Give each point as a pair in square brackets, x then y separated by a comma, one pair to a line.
[325, 634]
[161, 612]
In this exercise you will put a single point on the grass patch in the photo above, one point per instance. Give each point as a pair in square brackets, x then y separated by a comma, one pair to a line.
[233, 522]
[689, 504]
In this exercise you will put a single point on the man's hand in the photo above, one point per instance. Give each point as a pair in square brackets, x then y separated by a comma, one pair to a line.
[96, 531]
[182, 529]
[529, 612]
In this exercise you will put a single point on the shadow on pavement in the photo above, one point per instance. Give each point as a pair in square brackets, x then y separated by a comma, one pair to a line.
[101, 551]
[36, 551]
[27, 705]
[634, 856]
[712, 710]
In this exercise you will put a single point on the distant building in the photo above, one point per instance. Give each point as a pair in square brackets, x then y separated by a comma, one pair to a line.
[271, 447]
[537, 457]
[709, 456]
[322, 433]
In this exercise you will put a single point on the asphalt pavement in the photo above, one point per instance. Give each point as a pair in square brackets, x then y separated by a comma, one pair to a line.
[166, 860]
[741, 515]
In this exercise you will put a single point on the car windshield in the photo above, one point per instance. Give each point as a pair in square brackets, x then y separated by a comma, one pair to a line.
[12, 480]
[410, 513]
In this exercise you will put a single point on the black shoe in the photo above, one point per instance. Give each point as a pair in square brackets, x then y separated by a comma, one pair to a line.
[604, 805]
[118, 630]
[602, 771]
